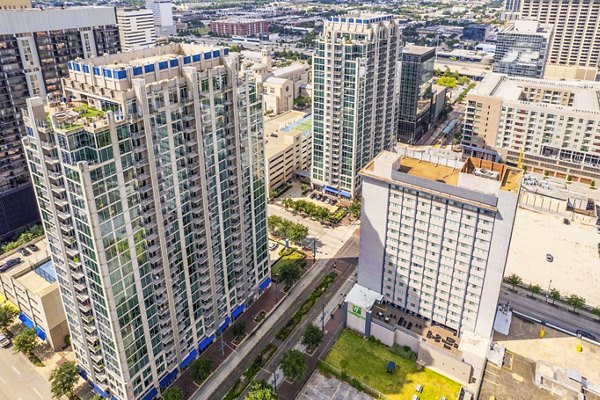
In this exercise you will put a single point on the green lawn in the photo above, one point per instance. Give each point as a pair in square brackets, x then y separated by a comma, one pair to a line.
[291, 259]
[87, 111]
[367, 361]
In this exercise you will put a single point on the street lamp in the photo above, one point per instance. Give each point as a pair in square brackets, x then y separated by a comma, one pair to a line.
[548, 291]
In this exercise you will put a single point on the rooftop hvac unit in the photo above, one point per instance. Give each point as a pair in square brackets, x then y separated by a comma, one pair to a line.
[486, 173]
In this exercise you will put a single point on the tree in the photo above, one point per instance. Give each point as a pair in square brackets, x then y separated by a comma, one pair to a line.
[293, 365]
[593, 185]
[535, 289]
[173, 393]
[575, 301]
[25, 342]
[297, 232]
[7, 317]
[261, 391]
[290, 273]
[447, 81]
[312, 336]
[554, 295]
[514, 280]
[201, 369]
[63, 380]
[238, 329]
[596, 311]
[354, 208]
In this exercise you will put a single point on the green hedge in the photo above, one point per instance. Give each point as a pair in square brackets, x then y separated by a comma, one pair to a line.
[306, 306]
[293, 258]
[241, 384]
[25, 237]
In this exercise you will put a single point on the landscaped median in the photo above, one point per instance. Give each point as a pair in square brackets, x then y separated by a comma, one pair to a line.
[363, 364]
[295, 320]
[242, 383]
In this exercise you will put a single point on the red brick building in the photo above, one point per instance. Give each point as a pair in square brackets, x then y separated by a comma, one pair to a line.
[240, 27]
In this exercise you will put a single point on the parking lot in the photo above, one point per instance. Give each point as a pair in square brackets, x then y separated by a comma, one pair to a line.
[320, 387]
[28, 259]
[575, 266]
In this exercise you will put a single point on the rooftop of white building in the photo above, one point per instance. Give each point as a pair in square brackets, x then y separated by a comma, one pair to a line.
[441, 168]
[583, 96]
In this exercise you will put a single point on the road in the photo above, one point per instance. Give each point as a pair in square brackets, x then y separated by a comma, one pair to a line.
[224, 377]
[328, 302]
[19, 379]
[548, 313]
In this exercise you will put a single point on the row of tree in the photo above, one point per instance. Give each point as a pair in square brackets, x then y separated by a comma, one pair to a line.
[573, 300]
[285, 229]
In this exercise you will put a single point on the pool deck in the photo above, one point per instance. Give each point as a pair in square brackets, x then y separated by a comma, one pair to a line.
[24, 273]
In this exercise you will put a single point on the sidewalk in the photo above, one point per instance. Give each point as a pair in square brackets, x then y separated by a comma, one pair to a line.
[218, 353]
[278, 318]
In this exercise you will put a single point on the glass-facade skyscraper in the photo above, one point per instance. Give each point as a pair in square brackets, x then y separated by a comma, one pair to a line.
[149, 174]
[354, 108]
[416, 93]
[35, 45]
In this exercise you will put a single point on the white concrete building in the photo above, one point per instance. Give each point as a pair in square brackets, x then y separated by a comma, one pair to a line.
[434, 239]
[546, 125]
[354, 98]
[163, 16]
[136, 28]
[435, 233]
[151, 184]
[288, 140]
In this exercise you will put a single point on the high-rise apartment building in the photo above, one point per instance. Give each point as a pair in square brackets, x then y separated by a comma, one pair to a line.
[575, 48]
[547, 125]
[151, 184]
[512, 5]
[240, 26]
[35, 46]
[354, 107]
[136, 28]
[435, 233]
[416, 92]
[163, 16]
[523, 51]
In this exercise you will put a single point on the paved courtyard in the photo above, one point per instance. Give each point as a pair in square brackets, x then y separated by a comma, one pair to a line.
[320, 387]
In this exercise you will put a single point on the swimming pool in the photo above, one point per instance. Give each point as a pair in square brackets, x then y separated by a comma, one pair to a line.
[46, 271]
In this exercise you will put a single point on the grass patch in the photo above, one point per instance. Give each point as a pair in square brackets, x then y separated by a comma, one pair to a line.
[291, 259]
[85, 110]
[242, 383]
[295, 320]
[365, 361]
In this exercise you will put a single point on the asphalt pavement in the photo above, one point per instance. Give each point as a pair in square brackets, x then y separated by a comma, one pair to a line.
[546, 312]
[19, 379]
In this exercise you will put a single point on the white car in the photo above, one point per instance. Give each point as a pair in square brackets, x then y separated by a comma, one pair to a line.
[4, 341]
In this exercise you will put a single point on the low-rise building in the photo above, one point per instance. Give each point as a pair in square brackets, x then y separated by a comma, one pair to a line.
[278, 95]
[288, 141]
[240, 26]
[549, 126]
[476, 32]
[31, 287]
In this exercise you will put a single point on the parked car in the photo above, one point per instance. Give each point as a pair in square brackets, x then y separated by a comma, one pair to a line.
[273, 245]
[10, 263]
[545, 185]
[313, 196]
[4, 341]
[566, 221]
[33, 247]
[585, 334]
[24, 252]
[549, 258]
[598, 229]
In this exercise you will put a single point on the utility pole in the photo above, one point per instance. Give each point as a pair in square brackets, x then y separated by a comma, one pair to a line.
[323, 319]
[314, 250]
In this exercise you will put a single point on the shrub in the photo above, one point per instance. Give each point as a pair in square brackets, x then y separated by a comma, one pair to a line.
[404, 351]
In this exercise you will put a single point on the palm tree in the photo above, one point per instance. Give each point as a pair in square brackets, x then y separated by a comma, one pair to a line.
[514, 280]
